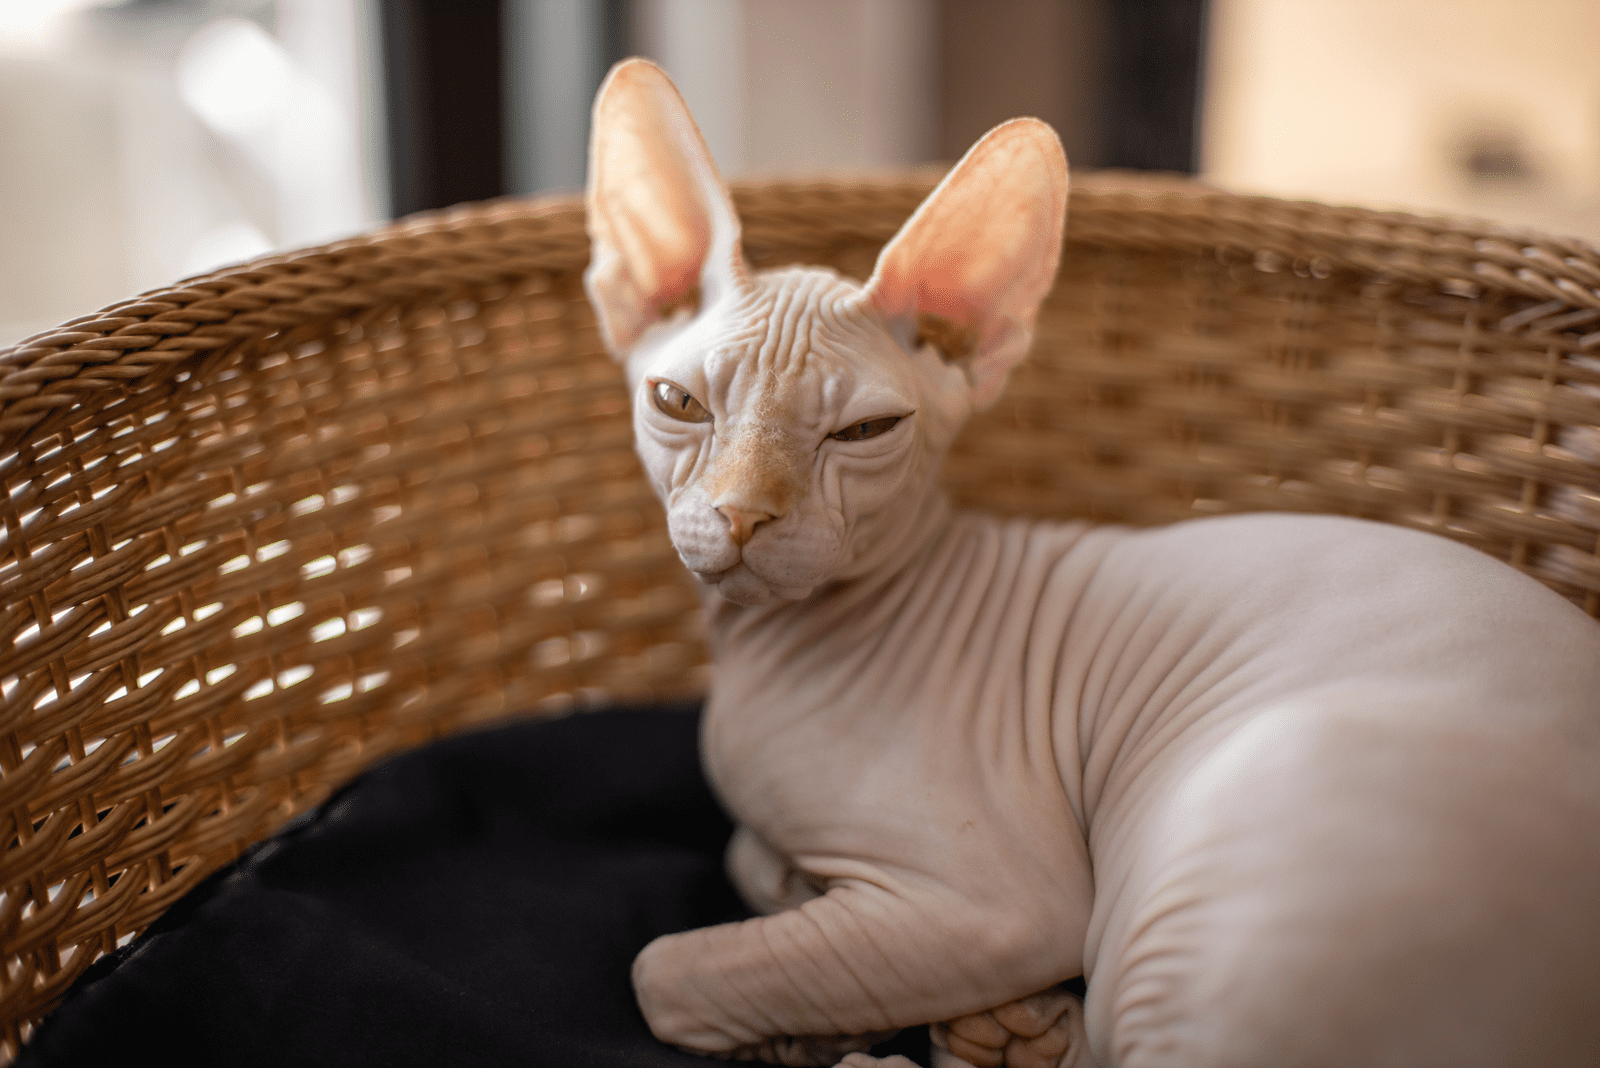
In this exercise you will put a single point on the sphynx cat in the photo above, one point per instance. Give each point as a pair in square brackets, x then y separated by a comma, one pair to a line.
[1287, 790]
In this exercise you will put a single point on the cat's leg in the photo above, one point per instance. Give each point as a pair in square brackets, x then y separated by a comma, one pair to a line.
[1043, 1030]
[763, 876]
[769, 883]
[868, 956]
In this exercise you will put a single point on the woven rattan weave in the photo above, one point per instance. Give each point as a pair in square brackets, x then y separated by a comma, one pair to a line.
[271, 524]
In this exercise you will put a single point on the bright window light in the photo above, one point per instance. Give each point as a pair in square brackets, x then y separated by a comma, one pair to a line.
[26, 22]
[236, 77]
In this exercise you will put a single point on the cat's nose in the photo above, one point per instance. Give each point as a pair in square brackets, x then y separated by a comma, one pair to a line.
[742, 522]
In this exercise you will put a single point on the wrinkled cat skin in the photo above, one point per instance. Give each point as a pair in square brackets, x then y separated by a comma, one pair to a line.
[1289, 790]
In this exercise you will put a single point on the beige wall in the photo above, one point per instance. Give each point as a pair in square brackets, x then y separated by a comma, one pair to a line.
[62, 225]
[784, 87]
[1385, 102]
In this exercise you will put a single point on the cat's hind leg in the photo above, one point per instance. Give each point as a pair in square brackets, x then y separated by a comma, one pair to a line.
[1366, 885]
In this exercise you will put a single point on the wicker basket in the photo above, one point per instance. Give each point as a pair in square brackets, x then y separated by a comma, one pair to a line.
[272, 524]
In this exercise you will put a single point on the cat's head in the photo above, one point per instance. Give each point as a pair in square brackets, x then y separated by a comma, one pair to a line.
[793, 421]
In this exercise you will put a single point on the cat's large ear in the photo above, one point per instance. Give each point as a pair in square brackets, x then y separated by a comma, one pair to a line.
[661, 221]
[980, 253]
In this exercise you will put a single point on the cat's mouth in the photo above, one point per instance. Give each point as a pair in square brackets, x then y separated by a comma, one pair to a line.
[784, 565]
[742, 585]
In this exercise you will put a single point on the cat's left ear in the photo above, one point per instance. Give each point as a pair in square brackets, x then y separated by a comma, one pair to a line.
[661, 220]
[980, 253]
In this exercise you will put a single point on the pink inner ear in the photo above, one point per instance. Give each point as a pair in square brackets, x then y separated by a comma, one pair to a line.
[661, 219]
[663, 240]
[646, 196]
[981, 250]
[950, 285]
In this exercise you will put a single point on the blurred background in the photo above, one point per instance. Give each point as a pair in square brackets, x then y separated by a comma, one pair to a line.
[145, 140]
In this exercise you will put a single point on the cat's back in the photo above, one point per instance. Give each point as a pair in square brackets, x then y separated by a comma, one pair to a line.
[1242, 603]
[1187, 631]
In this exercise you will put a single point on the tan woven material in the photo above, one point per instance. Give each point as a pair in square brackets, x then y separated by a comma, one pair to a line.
[269, 525]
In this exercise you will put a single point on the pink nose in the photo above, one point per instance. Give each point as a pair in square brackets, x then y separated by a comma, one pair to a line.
[742, 522]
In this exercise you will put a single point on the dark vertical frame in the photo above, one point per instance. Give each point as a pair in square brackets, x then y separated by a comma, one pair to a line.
[616, 42]
[446, 113]
[557, 53]
[1003, 58]
[1120, 80]
[1153, 84]
[445, 95]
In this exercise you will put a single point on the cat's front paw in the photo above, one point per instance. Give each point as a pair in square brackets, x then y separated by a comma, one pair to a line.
[682, 1013]
[672, 1004]
[1043, 1030]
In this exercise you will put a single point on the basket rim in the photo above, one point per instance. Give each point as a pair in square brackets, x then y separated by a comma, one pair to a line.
[497, 241]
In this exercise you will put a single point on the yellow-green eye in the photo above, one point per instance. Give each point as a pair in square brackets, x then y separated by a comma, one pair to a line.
[869, 429]
[675, 401]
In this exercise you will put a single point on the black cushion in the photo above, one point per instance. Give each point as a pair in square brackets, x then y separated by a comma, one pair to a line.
[476, 902]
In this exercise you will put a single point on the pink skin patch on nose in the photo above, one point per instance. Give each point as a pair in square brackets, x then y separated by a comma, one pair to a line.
[742, 522]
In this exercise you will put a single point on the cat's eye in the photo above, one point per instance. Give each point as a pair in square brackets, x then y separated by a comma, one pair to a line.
[871, 428]
[677, 402]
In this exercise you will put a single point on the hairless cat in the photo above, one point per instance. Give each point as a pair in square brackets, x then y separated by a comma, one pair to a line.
[1288, 791]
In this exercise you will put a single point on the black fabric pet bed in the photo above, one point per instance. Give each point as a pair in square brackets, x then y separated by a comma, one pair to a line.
[477, 902]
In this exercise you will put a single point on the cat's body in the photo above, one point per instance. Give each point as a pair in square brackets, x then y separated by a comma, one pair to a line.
[1016, 740]
[1288, 790]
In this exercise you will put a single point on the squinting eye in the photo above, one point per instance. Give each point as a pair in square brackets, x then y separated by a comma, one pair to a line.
[869, 429]
[676, 402]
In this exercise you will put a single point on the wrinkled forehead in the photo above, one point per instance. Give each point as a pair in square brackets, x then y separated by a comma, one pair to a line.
[792, 326]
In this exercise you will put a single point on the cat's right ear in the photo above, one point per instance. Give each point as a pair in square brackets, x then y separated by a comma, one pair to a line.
[661, 220]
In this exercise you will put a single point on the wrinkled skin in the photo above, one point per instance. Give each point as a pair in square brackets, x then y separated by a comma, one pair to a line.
[1288, 790]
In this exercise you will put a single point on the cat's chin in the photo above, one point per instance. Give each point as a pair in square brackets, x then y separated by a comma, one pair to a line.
[744, 587]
